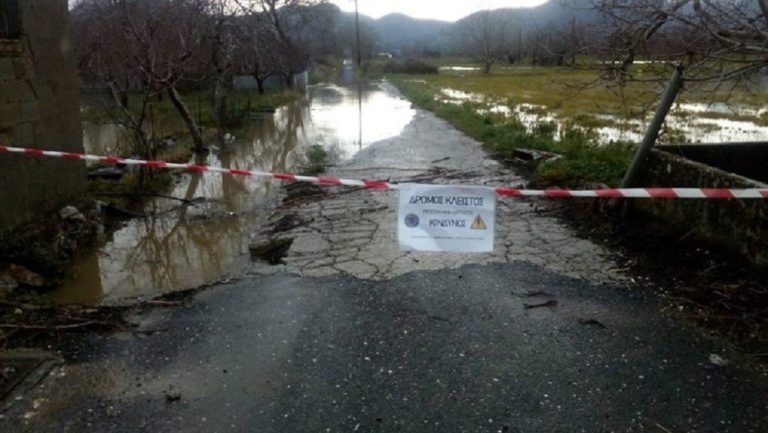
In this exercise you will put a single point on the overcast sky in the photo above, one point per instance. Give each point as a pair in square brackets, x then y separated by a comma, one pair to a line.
[448, 10]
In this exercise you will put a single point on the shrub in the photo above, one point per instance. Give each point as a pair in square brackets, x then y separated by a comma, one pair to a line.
[317, 159]
[409, 66]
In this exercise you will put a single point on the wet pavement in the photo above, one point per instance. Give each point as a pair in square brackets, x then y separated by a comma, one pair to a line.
[545, 334]
[444, 351]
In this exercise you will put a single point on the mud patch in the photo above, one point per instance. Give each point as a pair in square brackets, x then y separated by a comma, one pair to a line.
[286, 223]
[49, 248]
[299, 192]
[19, 372]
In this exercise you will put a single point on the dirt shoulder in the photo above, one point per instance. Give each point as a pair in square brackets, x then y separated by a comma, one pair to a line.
[698, 281]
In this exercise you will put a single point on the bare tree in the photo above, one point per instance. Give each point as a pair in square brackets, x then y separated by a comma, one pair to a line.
[709, 43]
[259, 55]
[225, 40]
[711, 40]
[557, 45]
[485, 37]
[102, 59]
[281, 23]
[146, 48]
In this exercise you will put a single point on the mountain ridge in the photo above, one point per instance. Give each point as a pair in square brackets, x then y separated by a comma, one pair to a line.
[398, 32]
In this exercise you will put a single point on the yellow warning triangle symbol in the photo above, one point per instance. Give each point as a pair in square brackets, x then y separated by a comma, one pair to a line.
[479, 224]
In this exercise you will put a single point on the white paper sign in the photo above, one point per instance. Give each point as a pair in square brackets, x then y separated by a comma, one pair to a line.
[446, 218]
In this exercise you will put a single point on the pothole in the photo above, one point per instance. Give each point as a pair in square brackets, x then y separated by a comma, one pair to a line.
[272, 251]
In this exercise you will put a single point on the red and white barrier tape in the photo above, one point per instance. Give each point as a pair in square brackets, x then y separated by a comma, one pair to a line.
[668, 193]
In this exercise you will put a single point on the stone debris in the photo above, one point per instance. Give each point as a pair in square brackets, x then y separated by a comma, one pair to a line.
[108, 173]
[172, 396]
[7, 283]
[548, 304]
[592, 322]
[71, 213]
[14, 276]
[535, 155]
[718, 360]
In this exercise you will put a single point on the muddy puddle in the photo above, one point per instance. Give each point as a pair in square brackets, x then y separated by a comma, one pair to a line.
[178, 246]
[698, 122]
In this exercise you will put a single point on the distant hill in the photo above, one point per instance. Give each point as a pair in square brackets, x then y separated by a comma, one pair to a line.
[553, 14]
[398, 32]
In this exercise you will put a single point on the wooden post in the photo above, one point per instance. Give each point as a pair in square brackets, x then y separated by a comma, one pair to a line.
[357, 31]
[652, 133]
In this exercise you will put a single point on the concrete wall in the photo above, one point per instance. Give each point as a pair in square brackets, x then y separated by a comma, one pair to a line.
[745, 159]
[737, 226]
[39, 107]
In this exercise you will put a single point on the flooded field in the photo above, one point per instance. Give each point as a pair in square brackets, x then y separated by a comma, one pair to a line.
[177, 245]
[696, 122]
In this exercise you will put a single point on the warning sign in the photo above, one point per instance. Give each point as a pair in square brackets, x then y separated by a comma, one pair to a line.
[446, 218]
[479, 224]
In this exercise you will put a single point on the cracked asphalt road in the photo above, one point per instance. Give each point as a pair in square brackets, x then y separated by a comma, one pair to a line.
[353, 335]
[354, 232]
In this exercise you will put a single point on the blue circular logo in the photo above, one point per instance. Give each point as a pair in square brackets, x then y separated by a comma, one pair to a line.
[412, 220]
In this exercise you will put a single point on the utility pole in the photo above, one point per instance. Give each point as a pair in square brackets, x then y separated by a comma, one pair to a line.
[357, 27]
[652, 133]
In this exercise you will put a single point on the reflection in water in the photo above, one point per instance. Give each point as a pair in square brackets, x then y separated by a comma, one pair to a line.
[106, 139]
[459, 68]
[360, 115]
[183, 247]
[722, 108]
[339, 126]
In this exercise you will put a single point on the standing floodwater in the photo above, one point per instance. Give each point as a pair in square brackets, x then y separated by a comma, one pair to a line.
[178, 246]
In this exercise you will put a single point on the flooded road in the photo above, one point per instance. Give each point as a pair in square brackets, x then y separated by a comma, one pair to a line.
[353, 334]
[178, 247]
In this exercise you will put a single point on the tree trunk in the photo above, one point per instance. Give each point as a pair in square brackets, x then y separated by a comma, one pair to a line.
[194, 129]
[652, 133]
[625, 65]
[487, 68]
[220, 104]
[260, 85]
[259, 80]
